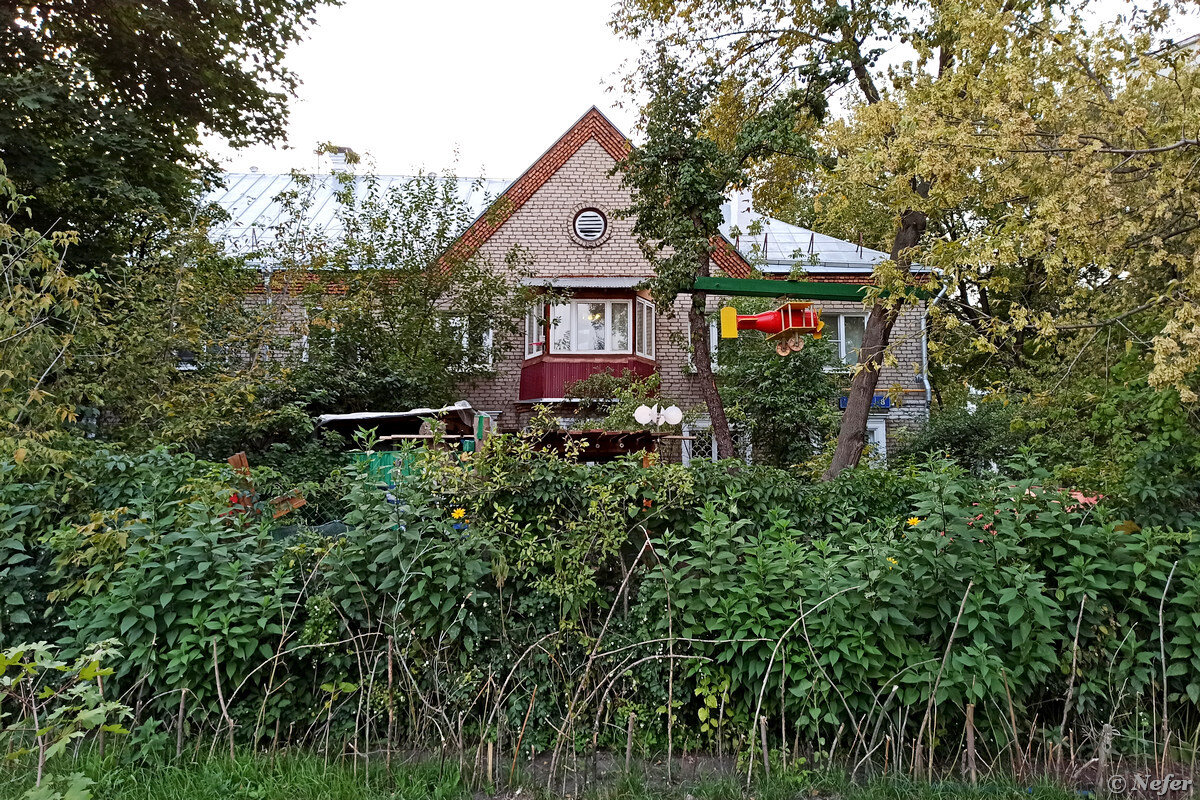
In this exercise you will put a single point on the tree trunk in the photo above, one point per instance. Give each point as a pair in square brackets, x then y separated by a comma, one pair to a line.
[853, 432]
[702, 359]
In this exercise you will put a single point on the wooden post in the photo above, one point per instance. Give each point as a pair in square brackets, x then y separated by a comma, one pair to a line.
[766, 757]
[1106, 736]
[971, 743]
[628, 743]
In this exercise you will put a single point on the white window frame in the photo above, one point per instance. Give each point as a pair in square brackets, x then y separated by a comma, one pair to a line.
[714, 341]
[878, 426]
[644, 328]
[473, 358]
[840, 337]
[577, 302]
[703, 428]
[535, 325]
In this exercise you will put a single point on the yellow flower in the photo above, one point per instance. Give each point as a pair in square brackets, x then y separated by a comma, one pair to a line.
[893, 562]
[914, 521]
[458, 513]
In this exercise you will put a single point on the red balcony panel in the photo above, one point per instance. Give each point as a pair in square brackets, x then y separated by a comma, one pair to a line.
[548, 377]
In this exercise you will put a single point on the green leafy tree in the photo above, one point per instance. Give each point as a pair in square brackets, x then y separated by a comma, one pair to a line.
[392, 316]
[679, 177]
[103, 105]
[1033, 158]
[789, 403]
[41, 310]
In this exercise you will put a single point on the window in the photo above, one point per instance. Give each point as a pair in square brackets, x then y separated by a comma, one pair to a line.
[644, 329]
[877, 439]
[846, 332]
[535, 332]
[476, 340]
[714, 345]
[702, 446]
[591, 326]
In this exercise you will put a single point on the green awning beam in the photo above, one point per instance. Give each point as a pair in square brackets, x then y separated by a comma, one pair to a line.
[804, 290]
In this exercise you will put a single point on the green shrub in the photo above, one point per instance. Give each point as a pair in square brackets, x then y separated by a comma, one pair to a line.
[614, 589]
[980, 438]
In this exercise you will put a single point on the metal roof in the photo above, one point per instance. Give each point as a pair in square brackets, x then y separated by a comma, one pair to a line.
[256, 206]
[776, 246]
[585, 282]
[361, 416]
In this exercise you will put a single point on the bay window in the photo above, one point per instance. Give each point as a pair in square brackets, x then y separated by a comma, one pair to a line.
[535, 332]
[644, 329]
[591, 326]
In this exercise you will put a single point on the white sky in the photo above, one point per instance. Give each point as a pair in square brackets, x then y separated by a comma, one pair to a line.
[418, 83]
[412, 82]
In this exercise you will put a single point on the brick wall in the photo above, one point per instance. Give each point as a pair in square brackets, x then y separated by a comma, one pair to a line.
[537, 215]
[541, 226]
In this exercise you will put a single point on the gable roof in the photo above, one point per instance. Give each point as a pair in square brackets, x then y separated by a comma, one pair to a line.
[592, 125]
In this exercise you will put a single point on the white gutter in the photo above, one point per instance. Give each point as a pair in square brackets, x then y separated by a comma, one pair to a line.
[925, 346]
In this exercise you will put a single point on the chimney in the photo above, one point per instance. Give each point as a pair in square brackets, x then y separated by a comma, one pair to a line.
[343, 159]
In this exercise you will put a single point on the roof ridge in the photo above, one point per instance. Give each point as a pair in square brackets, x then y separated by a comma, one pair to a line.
[592, 125]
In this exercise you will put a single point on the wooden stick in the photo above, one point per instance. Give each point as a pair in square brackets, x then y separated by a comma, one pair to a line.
[628, 742]
[1162, 652]
[100, 686]
[391, 731]
[762, 727]
[521, 735]
[971, 743]
[938, 681]
[1012, 717]
[1106, 734]
[1074, 661]
[179, 731]
[221, 699]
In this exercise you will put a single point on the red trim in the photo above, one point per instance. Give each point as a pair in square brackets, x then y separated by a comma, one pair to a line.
[549, 376]
[730, 261]
[592, 125]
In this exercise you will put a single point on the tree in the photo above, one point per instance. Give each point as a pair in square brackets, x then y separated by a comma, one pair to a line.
[1039, 164]
[102, 105]
[41, 309]
[789, 403]
[394, 317]
[679, 177]
[765, 48]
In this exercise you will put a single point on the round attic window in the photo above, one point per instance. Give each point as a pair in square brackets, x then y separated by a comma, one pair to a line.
[590, 224]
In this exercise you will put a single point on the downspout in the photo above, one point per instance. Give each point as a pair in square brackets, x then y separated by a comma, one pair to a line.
[925, 347]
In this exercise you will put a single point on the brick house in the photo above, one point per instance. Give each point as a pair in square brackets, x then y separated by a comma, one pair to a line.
[561, 212]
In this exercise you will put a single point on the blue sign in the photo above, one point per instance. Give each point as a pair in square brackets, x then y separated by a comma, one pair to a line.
[879, 401]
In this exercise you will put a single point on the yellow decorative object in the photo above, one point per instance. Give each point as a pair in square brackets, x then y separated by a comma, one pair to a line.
[729, 328]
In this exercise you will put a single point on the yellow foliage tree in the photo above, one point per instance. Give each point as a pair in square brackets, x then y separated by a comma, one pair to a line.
[1042, 163]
